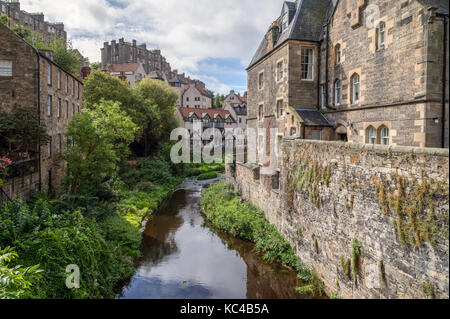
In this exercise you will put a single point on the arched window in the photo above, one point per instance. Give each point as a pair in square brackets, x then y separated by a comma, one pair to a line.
[337, 92]
[381, 34]
[337, 54]
[355, 87]
[371, 134]
[384, 135]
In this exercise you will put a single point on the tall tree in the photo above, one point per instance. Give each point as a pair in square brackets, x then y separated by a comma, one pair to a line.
[97, 140]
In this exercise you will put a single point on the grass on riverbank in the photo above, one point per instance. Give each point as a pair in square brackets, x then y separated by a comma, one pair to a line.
[225, 210]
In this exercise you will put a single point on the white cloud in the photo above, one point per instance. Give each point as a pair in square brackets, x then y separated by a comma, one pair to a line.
[187, 32]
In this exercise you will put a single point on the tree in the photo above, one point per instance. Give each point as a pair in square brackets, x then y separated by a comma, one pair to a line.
[98, 139]
[96, 66]
[4, 19]
[218, 101]
[15, 281]
[63, 55]
[159, 99]
[101, 85]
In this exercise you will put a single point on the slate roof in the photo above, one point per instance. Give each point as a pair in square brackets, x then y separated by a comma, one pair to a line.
[305, 24]
[312, 117]
[440, 5]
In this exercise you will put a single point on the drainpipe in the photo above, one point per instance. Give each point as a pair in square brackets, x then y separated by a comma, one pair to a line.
[327, 63]
[444, 79]
[39, 115]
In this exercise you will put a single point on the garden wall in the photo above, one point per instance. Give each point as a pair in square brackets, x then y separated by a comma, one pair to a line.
[333, 198]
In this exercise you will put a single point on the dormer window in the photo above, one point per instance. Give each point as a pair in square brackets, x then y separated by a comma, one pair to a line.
[285, 21]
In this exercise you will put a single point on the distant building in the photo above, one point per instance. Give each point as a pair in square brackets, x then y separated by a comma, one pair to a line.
[155, 64]
[32, 80]
[237, 106]
[34, 21]
[196, 97]
[131, 72]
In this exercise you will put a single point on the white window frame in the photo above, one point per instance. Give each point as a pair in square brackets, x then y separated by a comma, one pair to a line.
[385, 137]
[49, 105]
[285, 21]
[310, 64]
[49, 73]
[280, 108]
[58, 109]
[6, 68]
[59, 79]
[356, 87]
[371, 135]
[381, 34]
[337, 92]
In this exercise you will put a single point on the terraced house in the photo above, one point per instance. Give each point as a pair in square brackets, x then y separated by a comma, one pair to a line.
[364, 71]
[31, 80]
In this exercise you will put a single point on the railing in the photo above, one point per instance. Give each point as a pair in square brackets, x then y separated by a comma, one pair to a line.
[20, 169]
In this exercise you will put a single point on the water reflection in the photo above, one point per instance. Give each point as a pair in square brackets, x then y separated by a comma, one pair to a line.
[183, 257]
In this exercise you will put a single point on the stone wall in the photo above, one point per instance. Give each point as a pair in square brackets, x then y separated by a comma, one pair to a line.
[346, 192]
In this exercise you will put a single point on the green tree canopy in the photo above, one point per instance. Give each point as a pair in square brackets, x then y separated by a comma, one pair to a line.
[98, 139]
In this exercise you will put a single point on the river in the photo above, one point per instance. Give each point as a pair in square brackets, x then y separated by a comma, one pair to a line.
[183, 257]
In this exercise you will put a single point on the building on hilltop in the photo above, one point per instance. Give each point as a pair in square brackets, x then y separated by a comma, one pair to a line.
[31, 80]
[154, 63]
[237, 106]
[131, 72]
[325, 71]
[196, 97]
[33, 21]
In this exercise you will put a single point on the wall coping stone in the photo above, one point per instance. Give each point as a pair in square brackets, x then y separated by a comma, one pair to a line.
[442, 152]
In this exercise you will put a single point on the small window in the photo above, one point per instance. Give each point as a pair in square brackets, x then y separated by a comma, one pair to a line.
[59, 79]
[285, 22]
[67, 110]
[279, 71]
[73, 87]
[58, 109]
[293, 131]
[381, 34]
[316, 135]
[58, 143]
[280, 109]
[49, 74]
[49, 105]
[5, 68]
[73, 109]
[384, 135]
[371, 135]
[3, 8]
[337, 92]
[355, 88]
[337, 52]
[324, 96]
[307, 64]
[261, 80]
[49, 148]
[261, 112]
[67, 84]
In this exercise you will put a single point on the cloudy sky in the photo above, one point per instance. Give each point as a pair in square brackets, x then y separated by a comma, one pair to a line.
[212, 40]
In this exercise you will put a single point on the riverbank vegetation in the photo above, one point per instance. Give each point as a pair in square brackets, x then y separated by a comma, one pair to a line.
[226, 211]
[93, 219]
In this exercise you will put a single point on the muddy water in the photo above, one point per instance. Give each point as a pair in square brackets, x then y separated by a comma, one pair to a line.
[185, 258]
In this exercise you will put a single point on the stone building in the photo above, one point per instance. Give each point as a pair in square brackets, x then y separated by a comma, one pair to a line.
[237, 106]
[33, 21]
[30, 79]
[130, 72]
[154, 63]
[196, 97]
[372, 70]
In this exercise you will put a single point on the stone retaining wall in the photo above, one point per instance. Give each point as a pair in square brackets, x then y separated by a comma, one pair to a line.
[355, 192]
